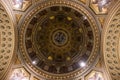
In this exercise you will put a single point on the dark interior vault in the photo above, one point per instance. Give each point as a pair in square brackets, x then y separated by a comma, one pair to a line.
[59, 39]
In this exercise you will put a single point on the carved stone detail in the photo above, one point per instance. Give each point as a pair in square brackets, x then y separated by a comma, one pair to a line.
[111, 40]
[7, 39]
[71, 75]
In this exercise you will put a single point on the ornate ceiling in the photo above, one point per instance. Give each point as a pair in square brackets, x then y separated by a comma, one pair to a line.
[59, 39]
[111, 43]
[56, 37]
[7, 40]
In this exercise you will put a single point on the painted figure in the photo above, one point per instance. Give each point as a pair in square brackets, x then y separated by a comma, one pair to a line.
[96, 77]
[18, 4]
[18, 74]
[101, 4]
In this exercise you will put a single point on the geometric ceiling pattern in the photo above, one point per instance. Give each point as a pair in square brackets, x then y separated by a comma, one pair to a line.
[49, 46]
[111, 42]
[60, 39]
[7, 41]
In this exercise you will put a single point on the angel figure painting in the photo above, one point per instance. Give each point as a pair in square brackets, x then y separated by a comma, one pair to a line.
[19, 74]
[21, 4]
[101, 6]
[94, 75]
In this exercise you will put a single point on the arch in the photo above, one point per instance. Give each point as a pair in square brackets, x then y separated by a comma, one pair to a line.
[7, 40]
[110, 40]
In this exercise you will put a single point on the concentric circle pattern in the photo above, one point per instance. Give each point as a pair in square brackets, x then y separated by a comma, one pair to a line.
[56, 39]
[59, 39]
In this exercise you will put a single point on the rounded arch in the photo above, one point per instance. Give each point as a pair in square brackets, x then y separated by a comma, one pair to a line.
[7, 40]
[110, 42]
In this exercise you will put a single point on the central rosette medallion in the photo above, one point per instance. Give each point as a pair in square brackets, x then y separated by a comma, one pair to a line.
[60, 37]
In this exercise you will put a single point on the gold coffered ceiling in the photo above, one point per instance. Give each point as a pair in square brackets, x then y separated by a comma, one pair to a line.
[111, 45]
[59, 39]
[7, 41]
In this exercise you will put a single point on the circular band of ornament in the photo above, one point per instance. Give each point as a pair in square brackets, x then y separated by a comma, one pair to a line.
[59, 37]
[57, 44]
[111, 42]
[7, 41]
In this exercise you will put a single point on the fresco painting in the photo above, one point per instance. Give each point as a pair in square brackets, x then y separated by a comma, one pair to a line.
[21, 4]
[100, 6]
[19, 74]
